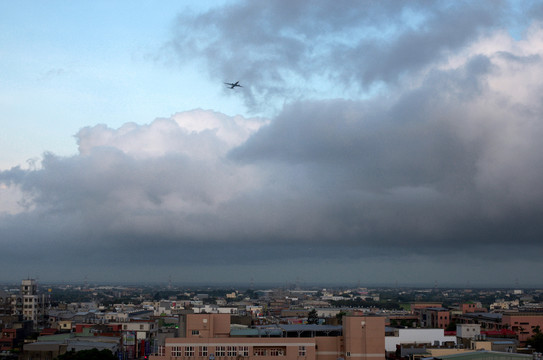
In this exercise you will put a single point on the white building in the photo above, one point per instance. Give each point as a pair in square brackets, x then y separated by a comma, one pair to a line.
[214, 309]
[142, 329]
[468, 331]
[419, 336]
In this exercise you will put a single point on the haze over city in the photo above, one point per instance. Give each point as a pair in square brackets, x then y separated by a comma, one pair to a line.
[372, 142]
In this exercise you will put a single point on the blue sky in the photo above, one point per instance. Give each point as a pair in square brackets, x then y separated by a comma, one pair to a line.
[68, 65]
[375, 142]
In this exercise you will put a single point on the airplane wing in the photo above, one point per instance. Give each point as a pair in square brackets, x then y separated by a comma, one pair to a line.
[233, 85]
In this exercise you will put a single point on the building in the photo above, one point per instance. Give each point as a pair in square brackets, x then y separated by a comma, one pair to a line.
[48, 350]
[482, 355]
[472, 307]
[467, 331]
[522, 323]
[32, 303]
[418, 336]
[435, 317]
[209, 336]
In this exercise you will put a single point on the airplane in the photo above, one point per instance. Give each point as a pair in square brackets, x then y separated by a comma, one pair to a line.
[233, 85]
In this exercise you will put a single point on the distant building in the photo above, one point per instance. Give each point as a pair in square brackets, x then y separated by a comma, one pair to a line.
[47, 350]
[419, 336]
[435, 317]
[27, 303]
[480, 355]
[33, 304]
[521, 324]
[472, 307]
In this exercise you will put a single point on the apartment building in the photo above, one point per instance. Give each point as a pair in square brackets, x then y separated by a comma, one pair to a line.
[32, 303]
[208, 337]
[435, 317]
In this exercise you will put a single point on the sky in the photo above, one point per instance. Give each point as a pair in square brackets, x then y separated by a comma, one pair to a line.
[373, 142]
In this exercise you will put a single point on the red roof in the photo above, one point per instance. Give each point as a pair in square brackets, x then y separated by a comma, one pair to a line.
[499, 332]
[48, 331]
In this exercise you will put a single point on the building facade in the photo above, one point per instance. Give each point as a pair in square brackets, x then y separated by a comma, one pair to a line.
[208, 337]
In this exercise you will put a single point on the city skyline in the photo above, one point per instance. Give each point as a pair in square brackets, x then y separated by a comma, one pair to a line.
[383, 142]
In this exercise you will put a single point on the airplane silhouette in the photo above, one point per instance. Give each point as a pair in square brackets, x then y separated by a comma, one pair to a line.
[233, 85]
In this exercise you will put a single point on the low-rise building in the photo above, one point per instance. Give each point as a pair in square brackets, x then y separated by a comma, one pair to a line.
[416, 336]
[208, 336]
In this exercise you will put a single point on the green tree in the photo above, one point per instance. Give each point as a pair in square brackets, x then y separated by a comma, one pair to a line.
[536, 341]
[312, 317]
[92, 354]
[339, 317]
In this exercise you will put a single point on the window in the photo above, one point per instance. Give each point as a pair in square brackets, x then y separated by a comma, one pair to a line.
[231, 351]
[195, 332]
[161, 351]
[301, 351]
[220, 351]
[189, 351]
[176, 351]
[259, 352]
[276, 352]
[202, 351]
[141, 327]
[243, 350]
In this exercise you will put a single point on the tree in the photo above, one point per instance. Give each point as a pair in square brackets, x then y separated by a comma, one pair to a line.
[92, 354]
[340, 316]
[312, 317]
[451, 326]
[536, 341]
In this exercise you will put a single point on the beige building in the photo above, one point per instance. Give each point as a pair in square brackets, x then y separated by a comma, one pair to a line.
[32, 303]
[208, 337]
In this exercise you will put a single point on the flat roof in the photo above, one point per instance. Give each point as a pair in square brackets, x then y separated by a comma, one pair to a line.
[310, 327]
[490, 355]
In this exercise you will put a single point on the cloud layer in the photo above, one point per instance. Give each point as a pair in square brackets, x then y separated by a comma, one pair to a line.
[446, 164]
[290, 49]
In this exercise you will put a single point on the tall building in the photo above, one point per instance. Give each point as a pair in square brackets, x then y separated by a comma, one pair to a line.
[32, 303]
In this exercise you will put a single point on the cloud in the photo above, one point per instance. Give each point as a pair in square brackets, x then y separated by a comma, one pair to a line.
[291, 49]
[444, 165]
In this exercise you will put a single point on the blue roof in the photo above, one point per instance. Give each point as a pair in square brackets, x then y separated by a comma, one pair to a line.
[311, 327]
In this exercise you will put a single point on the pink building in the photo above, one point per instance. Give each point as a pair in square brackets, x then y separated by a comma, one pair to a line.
[522, 323]
[437, 318]
[208, 337]
[472, 308]
[417, 306]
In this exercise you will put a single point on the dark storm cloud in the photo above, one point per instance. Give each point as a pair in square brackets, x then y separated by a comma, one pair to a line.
[434, 170]
[445, 165]
[411, 173]
[332, 44]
